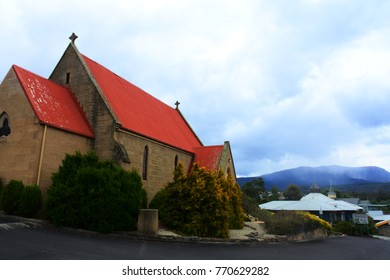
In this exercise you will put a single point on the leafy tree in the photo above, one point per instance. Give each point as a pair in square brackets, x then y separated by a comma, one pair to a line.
[256, 190]
[95, 195]
[292, 193]
[274, 193]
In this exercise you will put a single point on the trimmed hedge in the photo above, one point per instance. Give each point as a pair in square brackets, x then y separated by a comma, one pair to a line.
[10, 198]
[201, 203]
[17, 199]
[30, 201]
[95, 195]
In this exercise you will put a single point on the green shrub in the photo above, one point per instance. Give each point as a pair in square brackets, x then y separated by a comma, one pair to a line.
[95, 195]
[30, 201]
[348, 227]
[10, 197]
[294, 222]
[202, 203]
[345, 227]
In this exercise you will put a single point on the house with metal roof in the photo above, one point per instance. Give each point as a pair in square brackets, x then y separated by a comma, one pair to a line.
[316, 203]
[84, 106]
[382, 221]
[365, 204]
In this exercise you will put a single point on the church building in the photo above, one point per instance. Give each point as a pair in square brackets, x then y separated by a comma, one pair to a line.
[84, 106]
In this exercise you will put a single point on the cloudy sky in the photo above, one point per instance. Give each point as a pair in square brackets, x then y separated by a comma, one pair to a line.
[288, 83]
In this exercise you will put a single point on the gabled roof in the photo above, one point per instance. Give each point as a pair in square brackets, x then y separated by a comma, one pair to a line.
[139, 112]
[53, 104]
[208, 157]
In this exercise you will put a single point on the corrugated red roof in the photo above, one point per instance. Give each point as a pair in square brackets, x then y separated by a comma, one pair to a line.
[208, 157]
[53, 104]
[139, 112]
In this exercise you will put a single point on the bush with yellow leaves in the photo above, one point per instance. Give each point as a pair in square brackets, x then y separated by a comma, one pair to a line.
[202, 203]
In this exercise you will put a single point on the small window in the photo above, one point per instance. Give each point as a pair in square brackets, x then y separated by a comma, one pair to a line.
[145, 164]
[67, 78]
[176, 161]
[5, 127]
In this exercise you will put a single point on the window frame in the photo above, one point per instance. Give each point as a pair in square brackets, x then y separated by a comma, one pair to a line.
[3, 118]
[145, 163]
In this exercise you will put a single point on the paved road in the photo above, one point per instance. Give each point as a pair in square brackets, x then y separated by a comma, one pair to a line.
[27, 240]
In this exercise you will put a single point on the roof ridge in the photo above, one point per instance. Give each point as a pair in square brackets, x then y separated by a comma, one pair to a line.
[209, 146]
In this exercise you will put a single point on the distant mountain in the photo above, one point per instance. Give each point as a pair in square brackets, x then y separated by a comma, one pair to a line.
[322, 176]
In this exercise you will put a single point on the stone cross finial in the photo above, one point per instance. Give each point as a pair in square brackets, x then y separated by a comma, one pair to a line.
[73, 37]
[177, 104]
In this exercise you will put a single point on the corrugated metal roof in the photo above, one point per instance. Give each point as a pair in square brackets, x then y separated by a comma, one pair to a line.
[208, 157]
[352, 200]
[378, 215]
[311, 202]
[139, 112]
[53, 104]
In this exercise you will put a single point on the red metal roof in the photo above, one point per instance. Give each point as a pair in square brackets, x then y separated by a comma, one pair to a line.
[139, 112]
[208, 157]
[53, 104]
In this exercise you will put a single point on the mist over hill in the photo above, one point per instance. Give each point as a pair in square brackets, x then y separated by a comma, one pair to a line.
[323, 175]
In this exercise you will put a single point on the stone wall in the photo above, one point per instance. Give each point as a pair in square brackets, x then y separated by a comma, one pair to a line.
[19, 151]
[310, 235]
[71, 71]
[226, 163]
[58, 143]
[161, 160]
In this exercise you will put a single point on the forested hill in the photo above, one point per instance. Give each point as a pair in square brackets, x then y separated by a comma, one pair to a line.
[345, 177]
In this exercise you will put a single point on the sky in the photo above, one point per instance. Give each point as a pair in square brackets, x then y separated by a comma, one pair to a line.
[288, 83]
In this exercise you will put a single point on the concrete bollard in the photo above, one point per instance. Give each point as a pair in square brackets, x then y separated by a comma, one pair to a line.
[148, 221]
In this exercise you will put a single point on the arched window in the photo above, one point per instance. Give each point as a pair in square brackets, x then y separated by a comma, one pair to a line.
[5, 126]
[145, 164]
[176, 160]
[228, 171]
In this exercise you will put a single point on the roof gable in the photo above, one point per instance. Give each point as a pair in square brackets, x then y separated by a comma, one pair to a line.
[139, 112]
[53, 104]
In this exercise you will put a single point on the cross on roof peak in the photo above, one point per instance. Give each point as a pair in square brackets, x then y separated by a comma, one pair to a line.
[177, 103]
[73, 37]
